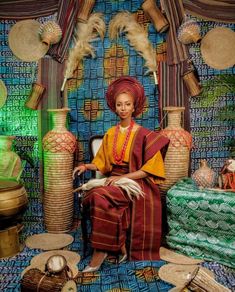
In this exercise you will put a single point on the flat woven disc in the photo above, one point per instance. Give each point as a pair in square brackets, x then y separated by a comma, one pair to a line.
[48, 241]
[178, 275]
[25, 42]
[218, 48]
[177, 258]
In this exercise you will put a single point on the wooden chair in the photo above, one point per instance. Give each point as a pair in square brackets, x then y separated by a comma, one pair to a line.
[94, 145]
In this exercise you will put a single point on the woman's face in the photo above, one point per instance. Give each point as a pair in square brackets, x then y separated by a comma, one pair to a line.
[124, 106]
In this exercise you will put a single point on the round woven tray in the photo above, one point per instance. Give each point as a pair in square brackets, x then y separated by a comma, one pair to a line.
[178, 275]
[176, 258]
[48, 241]
[218, 47]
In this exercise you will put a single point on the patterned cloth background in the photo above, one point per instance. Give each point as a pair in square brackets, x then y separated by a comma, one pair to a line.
[210, 133]
[90, 115]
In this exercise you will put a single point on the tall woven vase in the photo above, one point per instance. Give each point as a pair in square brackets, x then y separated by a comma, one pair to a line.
[58, 146]
[178, 153]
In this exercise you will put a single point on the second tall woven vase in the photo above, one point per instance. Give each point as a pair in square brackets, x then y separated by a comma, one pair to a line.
[178, 153]
[58, 148]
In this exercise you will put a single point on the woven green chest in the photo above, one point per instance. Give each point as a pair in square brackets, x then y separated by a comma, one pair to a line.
[201, 222]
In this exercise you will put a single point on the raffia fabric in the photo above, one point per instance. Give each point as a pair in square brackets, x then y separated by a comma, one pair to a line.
[201, 222]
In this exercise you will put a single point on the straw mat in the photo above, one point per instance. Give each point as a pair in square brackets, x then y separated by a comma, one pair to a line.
[178, 275]
[218, 47]
[48, 241]
[25, 42]
[176, 258]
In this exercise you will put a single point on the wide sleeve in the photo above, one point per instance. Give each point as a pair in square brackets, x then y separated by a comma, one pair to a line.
[155, 167]
[101, 160]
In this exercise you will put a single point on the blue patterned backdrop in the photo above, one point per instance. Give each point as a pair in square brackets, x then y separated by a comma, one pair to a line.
[211, 134]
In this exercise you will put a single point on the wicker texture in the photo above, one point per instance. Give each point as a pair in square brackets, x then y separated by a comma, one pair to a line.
[85, 9]
[58, 146]
[189, 32]
[178, 153]
[154, 13]
[35, 96]
[50, 33]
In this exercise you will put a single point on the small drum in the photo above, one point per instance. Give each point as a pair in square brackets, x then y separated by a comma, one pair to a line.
[13, 199]
[35, 280]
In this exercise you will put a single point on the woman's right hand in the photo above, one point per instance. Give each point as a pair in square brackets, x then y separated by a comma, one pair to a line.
[79, 170]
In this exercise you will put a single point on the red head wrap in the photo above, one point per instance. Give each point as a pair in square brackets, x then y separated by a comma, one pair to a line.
[128, 85]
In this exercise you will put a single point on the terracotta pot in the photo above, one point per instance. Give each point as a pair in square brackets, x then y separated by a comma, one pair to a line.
[58, 146]
[204, 176]
[177, 157]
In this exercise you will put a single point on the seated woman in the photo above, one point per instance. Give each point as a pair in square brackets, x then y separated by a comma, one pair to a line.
[131, 151]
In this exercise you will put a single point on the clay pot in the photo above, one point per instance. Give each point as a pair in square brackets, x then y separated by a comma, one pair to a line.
[204, 176]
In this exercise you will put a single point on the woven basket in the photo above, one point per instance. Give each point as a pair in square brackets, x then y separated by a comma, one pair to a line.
[178, 153]
[85, 9]
[154, 13]
[58, 146]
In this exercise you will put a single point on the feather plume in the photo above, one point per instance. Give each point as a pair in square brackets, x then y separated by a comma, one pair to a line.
[131, 187]
[124, 22]
[85, 33]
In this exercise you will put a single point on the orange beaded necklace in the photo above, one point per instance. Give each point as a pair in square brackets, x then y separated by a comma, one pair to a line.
[119, 159]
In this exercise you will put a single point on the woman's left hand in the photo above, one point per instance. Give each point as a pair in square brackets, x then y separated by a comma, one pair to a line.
[111, 180]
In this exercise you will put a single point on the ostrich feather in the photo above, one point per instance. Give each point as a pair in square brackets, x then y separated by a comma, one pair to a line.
[124, 22]
[85, 33]
[130, 186]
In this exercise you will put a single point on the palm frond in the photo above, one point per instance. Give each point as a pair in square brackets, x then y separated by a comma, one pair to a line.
[85, 34]
[124, 22]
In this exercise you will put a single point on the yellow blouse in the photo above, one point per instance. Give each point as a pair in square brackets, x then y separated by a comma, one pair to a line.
[104, 157]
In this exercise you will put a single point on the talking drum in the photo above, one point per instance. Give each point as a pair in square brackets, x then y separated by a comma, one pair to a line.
[36, 280]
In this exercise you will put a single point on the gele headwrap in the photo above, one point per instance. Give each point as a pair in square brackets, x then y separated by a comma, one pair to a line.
[128, 85]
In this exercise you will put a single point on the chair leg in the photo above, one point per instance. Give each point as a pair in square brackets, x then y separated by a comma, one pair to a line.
[84, 233]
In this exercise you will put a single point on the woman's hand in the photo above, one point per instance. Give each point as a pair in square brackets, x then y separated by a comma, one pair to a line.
[79, 170]
[112, 179]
